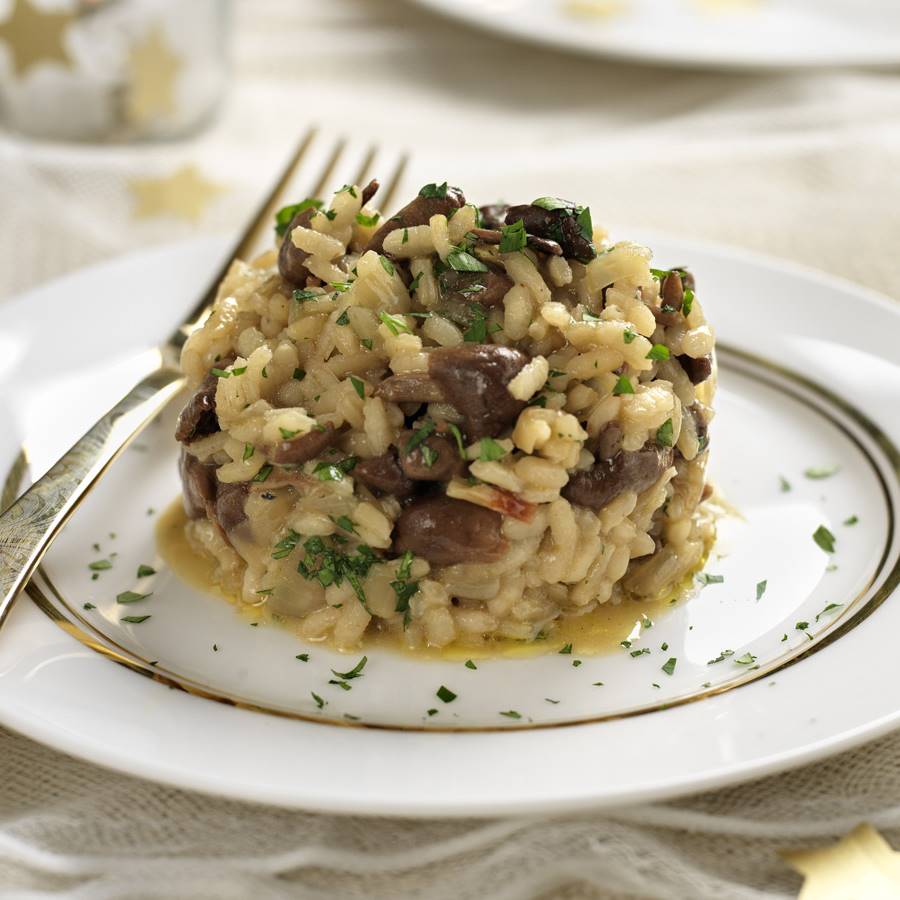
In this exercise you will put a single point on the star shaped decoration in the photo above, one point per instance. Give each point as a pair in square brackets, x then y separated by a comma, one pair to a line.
[34, 36]
[861, 865]
[153, 69]
[185, 194]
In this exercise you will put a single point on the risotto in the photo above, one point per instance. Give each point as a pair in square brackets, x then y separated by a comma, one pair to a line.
[452, 424]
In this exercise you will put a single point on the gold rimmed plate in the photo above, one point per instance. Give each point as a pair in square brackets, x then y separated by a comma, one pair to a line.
[795, 449]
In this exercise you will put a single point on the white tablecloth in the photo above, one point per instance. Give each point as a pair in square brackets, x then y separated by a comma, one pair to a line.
[802, 166]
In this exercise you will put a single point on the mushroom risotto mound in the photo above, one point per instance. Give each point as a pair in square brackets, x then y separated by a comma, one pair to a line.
[451, 424]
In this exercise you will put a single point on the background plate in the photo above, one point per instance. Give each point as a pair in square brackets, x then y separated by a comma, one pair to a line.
[725, 34]
[56, 690]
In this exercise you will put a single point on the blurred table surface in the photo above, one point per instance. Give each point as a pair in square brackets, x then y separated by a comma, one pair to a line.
[803, 166]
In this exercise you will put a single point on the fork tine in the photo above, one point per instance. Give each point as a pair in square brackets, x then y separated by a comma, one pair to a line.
[390, 188]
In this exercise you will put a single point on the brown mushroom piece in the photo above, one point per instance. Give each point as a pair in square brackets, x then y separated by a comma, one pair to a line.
[229, 510]
[301, 449]
[439, 462]
[474, 378]
[539, 244]
[198, 418]
[418, 212]
[410, 387]
[291, 259]
[369, 191]
[383, 475]
[633, 470]
[560, 224]
[494, 215]
[487, 288]
[697, 370]
[446, 531]
[199, 483]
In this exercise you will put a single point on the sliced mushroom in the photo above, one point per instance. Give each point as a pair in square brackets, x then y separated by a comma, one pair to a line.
[560, 225]
[291, 259]
[494, 215]
[446, 532]
[229, 510]
[301, 449]
[435, 459]
[539, 244]
[198, 483]
[474, 378]
[697, 370]
[384, 475]
[410, 387]
[198, 418]
[418, 212]
[487, 288]
[632, 470]
[369, 191]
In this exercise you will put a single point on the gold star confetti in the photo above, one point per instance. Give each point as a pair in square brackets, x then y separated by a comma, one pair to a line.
[861, 865]
[185, 194]
[152, 71]
[34, 36]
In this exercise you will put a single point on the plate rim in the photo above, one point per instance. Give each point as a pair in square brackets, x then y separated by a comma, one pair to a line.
[806, 752]
[471, 18]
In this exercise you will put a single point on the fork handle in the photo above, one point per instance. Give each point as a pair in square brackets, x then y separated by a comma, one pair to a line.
[29, 525]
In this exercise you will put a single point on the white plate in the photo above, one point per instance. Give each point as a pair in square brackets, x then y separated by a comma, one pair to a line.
[741, 34]
[69, 349]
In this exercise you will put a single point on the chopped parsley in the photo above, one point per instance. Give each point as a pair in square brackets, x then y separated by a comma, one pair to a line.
[642, 652]
[403, 587]
[658, 352]
[513, 237]
[664, 434]
[785, 484]
[445, 694]
[284, 215]
[144, 571]
[669, 665]
[131, 597]
[358, 386]
[220, 373]
[429, 456]
[817, 473]
[470, 664]
[343, 318]
[303, 657]
[623, 386]
[88, 606]
[421, 434]
[263, 473]
[687, 304]
[135, 620]
[349, 188]
[100, 565]
[327, 471]
[434, 191]
[828, 609]
[301, 296]
[722, 656]
[393, 324]
[511, 714]
[366, 342]
[319, 701]
[330, 566]
[346, 523]
[461, 261]
[802, 626]
[566, 649]
[761, 588]
[476, 333]
[489, 450]
[239, 370]
[286, 434]
[355, 672]
[851, 521]
[299, 374]
[457, 436]
[705, 578]
[367, 221]
[414, 284]
[249, 450]
[286, 545]
[387, 265]
[746, 660]
[629, 335]
[824, 538]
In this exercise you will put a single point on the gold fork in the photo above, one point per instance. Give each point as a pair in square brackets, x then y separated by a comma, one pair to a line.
[29, 525]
